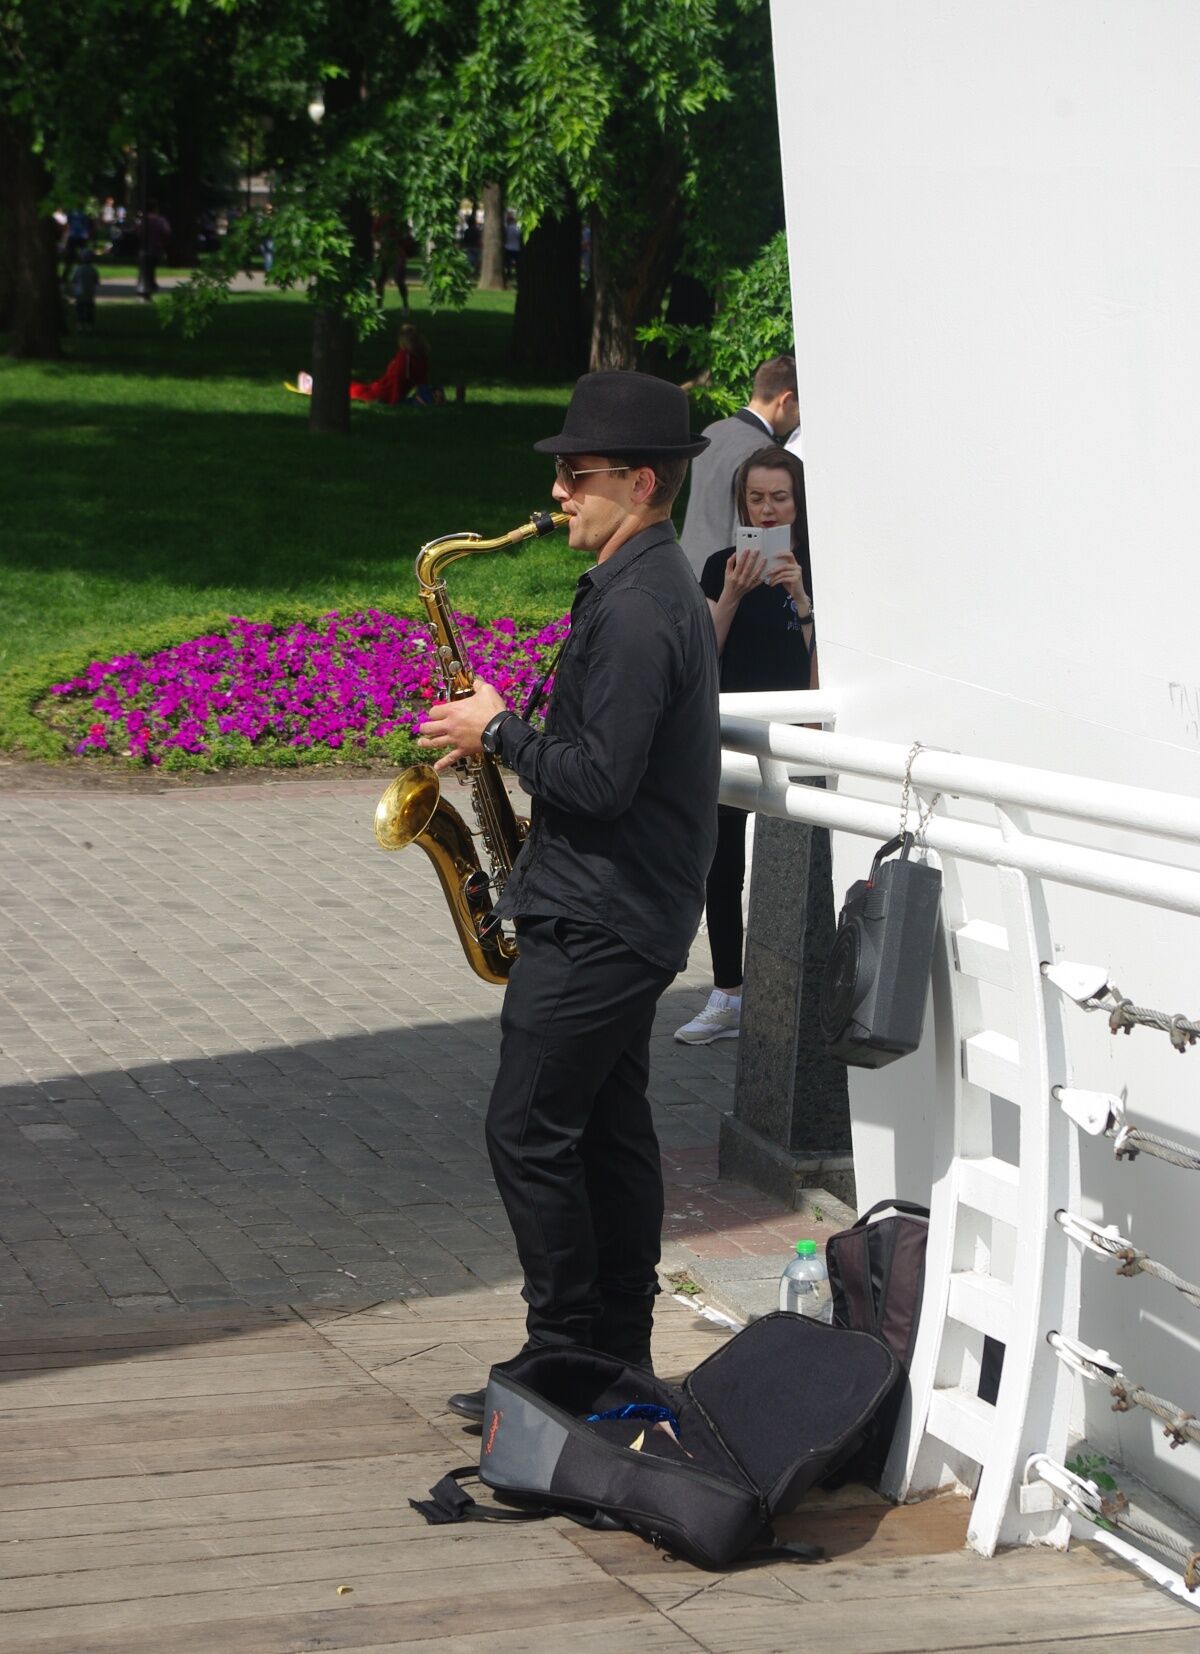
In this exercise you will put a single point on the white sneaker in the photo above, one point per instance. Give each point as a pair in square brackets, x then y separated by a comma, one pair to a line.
[720, 1019]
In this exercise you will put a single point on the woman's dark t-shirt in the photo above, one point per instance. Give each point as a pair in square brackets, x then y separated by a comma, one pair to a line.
[765, 648]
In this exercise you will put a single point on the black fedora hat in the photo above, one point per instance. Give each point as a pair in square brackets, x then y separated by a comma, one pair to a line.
[621, 412]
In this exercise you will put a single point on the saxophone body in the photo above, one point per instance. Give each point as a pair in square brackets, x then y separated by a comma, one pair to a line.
[412, 809]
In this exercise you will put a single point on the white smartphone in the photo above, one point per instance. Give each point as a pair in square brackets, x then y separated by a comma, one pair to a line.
[775, 544]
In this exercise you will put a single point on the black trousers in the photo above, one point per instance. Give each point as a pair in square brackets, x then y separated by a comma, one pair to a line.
[723, 897]
[571, 1138]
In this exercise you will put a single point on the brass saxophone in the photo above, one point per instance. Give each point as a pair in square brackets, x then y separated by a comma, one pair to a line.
[412, 809]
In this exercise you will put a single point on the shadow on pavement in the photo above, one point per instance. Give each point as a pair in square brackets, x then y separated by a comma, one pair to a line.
[329, 1173]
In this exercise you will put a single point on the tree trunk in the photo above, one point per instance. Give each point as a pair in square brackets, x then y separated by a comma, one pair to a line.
[8, 274]
[332, 352]
[185, 191]
[333, 332]
[548, 337]
[630, 271]
[491, 260]
[36, 305]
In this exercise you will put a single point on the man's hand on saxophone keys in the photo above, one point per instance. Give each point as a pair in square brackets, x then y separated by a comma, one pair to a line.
[459, 724]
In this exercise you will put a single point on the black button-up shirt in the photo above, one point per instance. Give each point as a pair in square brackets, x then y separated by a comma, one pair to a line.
[624, 780]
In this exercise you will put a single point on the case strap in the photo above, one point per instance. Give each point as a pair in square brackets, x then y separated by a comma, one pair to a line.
[450, 1502]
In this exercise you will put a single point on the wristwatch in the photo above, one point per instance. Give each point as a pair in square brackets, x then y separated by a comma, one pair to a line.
[490, 739]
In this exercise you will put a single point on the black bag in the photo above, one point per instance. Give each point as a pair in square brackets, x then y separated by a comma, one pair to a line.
[877, 1274]
[876, 1281]
[767, 1416]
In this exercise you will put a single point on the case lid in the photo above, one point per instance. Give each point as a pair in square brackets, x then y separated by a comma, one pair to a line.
[788, 1394]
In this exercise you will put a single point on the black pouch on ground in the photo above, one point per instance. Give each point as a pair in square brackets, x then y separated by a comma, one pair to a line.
[767, 1416]
[876, 1282]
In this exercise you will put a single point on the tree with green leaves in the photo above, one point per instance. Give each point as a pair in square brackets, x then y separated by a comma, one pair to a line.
[355, 97]
[753, 322]
[656, 122]
[81, 82]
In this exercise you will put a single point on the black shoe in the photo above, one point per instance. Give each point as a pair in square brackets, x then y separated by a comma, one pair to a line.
[468, 1403]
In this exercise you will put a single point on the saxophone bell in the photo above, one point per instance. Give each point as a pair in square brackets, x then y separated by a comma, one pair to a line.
[407, 806]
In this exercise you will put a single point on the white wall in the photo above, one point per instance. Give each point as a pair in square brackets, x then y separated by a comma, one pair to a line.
[994, 227]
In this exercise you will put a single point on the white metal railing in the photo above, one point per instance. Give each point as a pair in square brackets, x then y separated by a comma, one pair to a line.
[950, 1431]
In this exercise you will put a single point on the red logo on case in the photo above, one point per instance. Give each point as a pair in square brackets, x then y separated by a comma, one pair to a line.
[496, 1417]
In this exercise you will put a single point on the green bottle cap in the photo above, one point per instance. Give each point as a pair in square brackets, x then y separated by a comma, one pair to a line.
[806, 1248]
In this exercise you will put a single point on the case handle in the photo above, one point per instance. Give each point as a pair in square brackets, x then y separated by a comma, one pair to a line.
[910, 1208]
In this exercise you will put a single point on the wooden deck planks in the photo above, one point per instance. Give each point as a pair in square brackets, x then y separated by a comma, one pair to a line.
[180, 1485]
[86, 1424]
[593, 1618]
[932, 1619]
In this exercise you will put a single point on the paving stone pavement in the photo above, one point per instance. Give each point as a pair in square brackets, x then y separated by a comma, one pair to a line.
[242, 1061]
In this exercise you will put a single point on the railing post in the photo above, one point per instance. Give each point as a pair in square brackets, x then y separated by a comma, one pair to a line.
[790, 1128]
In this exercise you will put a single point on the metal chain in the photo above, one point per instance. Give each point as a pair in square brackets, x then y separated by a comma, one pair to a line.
[924, 814]
[1124, 1016]
[1130, 1142]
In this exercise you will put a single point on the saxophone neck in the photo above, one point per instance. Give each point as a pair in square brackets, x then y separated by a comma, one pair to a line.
[438, 554]
[432, 560]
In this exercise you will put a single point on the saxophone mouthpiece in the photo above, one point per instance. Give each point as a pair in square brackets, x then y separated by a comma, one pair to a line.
[545, 522]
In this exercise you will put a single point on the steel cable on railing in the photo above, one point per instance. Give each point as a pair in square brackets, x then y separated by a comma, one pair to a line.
[1098, 1366]
[1131, 1259]
[1090, 988]
[1102, 1114]
[1124, 1016]
[1112, 1511]
[1129, 1142]
[1161, 1538]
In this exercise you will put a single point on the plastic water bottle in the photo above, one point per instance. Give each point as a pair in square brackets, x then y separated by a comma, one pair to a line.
[804, 1284]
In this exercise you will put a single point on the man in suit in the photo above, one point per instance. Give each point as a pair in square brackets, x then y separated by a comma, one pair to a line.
[771, 415]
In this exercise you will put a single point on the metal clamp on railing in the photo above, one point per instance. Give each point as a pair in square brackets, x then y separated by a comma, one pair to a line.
[1097, 1365]
[1129, 1142]
[1100, 1368]
[1082, 1496]
[1105, 1242]
[1131, 1260]
[1095, 1112]
[1089, 987]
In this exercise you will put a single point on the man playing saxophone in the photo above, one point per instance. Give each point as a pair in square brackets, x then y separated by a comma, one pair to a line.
[608, 889]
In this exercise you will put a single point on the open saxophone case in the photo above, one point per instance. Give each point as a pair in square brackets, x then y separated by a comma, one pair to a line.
[699, 1469]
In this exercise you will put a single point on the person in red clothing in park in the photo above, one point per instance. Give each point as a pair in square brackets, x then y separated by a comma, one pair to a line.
[408, 371]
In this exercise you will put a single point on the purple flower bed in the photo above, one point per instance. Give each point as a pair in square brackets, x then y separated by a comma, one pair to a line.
[346, 681]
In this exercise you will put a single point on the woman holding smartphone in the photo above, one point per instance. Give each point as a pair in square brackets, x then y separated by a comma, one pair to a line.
[763, 617]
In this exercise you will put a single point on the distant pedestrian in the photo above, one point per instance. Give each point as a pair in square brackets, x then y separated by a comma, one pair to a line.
[79, 236]
[771, 415]
[512, 247]
[472, 242]
[154, 233]
[84, 285]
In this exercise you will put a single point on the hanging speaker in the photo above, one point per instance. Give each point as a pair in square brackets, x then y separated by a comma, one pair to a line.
[873, 993]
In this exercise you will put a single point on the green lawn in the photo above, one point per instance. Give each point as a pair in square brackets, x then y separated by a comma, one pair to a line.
[147, 477]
